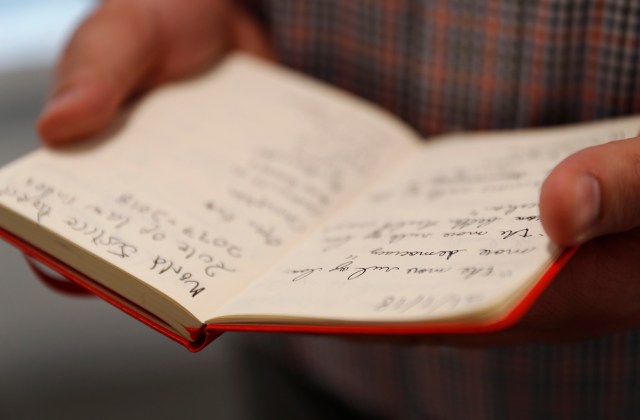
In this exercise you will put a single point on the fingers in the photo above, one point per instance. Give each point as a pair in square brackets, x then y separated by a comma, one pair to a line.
[101, 66]
[198, 35]
[250, 37]
[593, 192]
[128, 46]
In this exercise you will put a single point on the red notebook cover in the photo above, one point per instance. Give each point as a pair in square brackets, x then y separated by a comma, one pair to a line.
[76, 283]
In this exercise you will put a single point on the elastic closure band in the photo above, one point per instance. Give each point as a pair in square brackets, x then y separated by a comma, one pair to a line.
[56, 282]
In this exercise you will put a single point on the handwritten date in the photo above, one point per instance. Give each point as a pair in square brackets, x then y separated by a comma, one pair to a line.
[427, 303]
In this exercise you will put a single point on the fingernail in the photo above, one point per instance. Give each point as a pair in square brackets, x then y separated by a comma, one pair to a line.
[588, 206]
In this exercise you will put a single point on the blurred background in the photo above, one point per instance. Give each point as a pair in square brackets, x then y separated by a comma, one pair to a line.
[66, 357]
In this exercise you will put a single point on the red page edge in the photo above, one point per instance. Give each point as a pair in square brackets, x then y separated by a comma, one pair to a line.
[468, 327]
[201, 337]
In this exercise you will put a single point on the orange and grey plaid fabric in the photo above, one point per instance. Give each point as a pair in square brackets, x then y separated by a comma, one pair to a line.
[447, 65]
[465, 64]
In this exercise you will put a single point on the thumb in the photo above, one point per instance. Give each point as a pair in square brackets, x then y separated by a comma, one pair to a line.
[102, 65]
[594, 192]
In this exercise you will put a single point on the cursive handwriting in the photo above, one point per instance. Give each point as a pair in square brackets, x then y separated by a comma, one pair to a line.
[118, 219]
[534, 218]
[486, 252]
[225, 214]
[101, 238]
[302, 273]
[472, 222]
[464, 233]
[267, 233]
[475, 271]
[35, 201]
[523, 233]
[359, 271]
[164, 265]
[211, 264]
[428, 270]
[441, 253]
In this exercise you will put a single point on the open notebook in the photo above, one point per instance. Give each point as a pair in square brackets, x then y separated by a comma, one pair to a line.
[254, 198]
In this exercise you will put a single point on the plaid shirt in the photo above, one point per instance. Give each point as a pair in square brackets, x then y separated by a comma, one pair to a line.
[445, 65]
[448, 65]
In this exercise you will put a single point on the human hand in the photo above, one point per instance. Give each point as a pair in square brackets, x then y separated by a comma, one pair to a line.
[128, 46]
[591, 199]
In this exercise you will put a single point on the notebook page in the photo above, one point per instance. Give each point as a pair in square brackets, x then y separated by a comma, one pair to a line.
[206, 182]
[455, 232]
